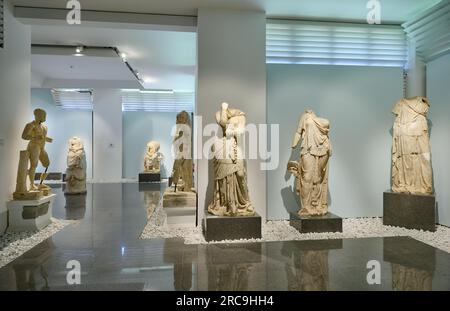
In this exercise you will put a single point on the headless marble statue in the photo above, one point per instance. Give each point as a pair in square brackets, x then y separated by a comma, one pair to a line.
[411, 151]
[311, 171]
[182, 166]
[76, 167]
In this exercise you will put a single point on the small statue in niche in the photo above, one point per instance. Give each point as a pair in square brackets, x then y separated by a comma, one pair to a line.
[76, 167]
[311, 171]
[182, 148]
[36, 133]
[411, 151]
[231, 196]
[153, 158]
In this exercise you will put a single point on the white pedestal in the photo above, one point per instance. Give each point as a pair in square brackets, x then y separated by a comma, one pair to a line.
[30, 215]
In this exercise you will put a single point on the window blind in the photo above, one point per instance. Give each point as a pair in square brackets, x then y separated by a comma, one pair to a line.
[157, 101]
[300, 42]
[2, 27]
[430, 31]
[73, 99]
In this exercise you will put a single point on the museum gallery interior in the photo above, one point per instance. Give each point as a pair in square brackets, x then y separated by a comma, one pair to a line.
[225, 145]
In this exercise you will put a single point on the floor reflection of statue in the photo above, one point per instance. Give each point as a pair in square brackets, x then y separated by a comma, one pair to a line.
[311, 171]
[229, 277]
[151, 201]
[411, 151]
[413, 263]
[231, 195]
[29, 268]
[310, 271]
[182, 256]
[36, 133]
[75, 206]
[76, 167]
[411, 279]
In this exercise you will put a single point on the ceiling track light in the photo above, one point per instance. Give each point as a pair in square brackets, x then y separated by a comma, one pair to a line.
[79, 50]
[123, 56]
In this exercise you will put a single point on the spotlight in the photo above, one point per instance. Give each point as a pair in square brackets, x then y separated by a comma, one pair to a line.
[79, 50]
[123, 56]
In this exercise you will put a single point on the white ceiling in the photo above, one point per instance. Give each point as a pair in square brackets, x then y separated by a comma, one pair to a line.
[166, 60]
[393, 11]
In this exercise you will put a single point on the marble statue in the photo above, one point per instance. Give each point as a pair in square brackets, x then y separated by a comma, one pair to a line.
[36, 133]
[153, 158]
[231, 195]
[411, 151]
[311, 171]
[182, 172]
[76, 167]
[181, 191]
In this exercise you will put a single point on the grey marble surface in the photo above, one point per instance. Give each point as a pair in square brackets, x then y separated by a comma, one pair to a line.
[112, 257]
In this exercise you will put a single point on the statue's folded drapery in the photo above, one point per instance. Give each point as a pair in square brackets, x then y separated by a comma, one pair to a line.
[312, 170]
[411, 152]
[231, 197]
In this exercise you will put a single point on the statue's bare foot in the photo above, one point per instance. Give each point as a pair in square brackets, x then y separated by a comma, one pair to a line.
[33, 187]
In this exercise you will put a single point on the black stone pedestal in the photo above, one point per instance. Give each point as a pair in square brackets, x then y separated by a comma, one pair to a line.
[219, 228]
[149, 177]
[310, 224]
[411, 211]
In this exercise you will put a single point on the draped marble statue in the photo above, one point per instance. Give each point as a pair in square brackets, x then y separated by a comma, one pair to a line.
[182, 172]
[153, 158]
[35, 133]
[231, 197]
[76, 167]
[411, 151]
[181, 191]
[311, 171]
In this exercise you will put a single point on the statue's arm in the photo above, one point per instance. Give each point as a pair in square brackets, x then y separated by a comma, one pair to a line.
[300, 131]
[27, 132]
[47, 139]
[297, 138]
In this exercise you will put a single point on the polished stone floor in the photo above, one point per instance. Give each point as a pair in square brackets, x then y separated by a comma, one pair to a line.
[106, 244]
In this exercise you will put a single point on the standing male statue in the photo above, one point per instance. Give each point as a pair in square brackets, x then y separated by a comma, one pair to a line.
[36, 133]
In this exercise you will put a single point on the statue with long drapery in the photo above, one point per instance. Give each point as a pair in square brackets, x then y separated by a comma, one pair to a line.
[311, 171]
[231, 196]
[411, 151]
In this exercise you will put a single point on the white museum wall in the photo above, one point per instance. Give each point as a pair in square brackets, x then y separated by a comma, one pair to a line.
[358, 102]
[107, 133]
[138, 129]
[231, 68]
[15, 67]
[63, 125]
[438, 92]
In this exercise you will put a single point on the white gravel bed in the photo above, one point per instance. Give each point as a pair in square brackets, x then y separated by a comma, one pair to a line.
[282, 231]
[14, 244]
